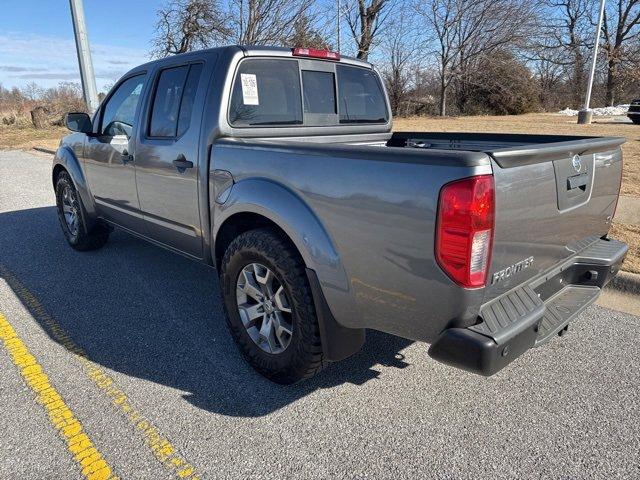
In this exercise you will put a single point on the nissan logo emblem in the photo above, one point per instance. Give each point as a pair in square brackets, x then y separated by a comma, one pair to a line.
[577, 164]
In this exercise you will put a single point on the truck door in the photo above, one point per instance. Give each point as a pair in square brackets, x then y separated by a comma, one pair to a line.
[110, 156]
[167, 158]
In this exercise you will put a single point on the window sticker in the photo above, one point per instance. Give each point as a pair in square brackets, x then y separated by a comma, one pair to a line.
[249, 89]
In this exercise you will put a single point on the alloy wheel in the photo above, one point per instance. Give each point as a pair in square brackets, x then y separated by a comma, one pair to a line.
[264, 308]
[70, 210]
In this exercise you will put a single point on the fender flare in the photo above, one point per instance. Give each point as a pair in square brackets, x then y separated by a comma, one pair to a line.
[289, 212]
[65, 157]
[326, 273]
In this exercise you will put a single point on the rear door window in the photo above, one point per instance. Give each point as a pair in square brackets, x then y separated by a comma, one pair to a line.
[361, 99]
[166, 102]
[266, 92]
[173, 101]
[188, 98]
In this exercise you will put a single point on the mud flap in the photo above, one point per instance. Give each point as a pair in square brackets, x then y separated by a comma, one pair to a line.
[338, 342]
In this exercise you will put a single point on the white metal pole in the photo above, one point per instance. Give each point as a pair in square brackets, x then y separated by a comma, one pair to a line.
[84, 56]
[584, 116]
[587, 100]
[339, 6]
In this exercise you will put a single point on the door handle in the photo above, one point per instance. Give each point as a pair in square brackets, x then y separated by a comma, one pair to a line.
[125, 157]
[181, 163]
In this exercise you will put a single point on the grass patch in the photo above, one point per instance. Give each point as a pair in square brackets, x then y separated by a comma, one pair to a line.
[27, 137]
[629, 234]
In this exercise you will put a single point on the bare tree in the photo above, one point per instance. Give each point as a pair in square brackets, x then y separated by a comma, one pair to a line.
[365, 19]
[185, 25]
[466, 30]
[549, 72]
[399, 48]
[306, 35]
[621, 26]
[266, 22]
[563, 39]
[32, 91]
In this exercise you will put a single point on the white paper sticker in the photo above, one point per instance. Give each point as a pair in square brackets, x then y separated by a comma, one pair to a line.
[249, 89]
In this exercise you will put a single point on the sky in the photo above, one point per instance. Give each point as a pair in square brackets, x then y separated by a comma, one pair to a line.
[37, 42]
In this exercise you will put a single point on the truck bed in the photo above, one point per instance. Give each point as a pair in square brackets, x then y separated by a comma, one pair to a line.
[508, 150]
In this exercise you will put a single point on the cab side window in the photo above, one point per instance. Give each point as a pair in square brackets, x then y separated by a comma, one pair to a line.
[173, 101]
[120, 110]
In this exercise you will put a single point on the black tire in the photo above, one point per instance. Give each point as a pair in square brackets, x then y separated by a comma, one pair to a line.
[79, 237]
[302, 358]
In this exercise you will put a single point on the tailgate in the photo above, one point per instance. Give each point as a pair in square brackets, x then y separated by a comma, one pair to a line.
[552, 201]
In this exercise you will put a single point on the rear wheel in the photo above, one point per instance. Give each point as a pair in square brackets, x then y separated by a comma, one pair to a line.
[269, 307]
[71, 216]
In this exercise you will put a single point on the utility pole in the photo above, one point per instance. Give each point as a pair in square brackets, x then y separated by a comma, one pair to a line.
[84, 56]
[339, 6]
[584, 115]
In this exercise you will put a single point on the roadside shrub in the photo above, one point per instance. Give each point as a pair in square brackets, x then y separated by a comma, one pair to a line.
[499, 85]
[39, 107]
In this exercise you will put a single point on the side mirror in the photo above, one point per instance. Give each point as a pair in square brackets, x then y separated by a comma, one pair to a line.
[78, 122]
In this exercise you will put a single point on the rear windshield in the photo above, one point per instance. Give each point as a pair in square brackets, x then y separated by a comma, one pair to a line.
[269, 92]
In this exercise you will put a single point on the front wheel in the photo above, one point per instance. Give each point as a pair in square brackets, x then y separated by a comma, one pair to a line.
[269, 307]
[70, 214]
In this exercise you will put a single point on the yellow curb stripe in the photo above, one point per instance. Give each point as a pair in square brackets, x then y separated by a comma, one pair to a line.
[89, 459]
[160, 446]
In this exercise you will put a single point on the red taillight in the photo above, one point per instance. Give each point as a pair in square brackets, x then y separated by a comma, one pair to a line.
[465, 230]
[315, 53]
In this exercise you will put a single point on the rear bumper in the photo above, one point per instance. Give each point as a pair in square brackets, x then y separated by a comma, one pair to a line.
[532, 313]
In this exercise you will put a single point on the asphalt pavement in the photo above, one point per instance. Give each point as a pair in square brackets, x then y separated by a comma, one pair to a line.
[134, 347]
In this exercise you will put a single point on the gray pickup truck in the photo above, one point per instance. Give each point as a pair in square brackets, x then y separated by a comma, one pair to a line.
[279, 168]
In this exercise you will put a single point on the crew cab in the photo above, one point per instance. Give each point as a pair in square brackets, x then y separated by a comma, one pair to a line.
[279, 168]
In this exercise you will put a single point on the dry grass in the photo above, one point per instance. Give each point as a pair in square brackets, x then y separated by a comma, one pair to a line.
[544, 123]
[629, 234]
[25, 138]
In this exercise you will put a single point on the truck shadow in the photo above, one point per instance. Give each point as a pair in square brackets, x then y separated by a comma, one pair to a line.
[145, 312]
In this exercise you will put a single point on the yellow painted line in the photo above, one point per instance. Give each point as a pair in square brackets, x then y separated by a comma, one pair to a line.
[163, 450]
[89, 459]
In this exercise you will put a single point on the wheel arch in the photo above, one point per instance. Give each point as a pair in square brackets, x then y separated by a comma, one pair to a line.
[242, 222]
[268, 203]
[66, 160]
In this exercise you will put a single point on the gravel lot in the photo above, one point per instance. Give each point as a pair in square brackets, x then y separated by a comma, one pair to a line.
[150, 323]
